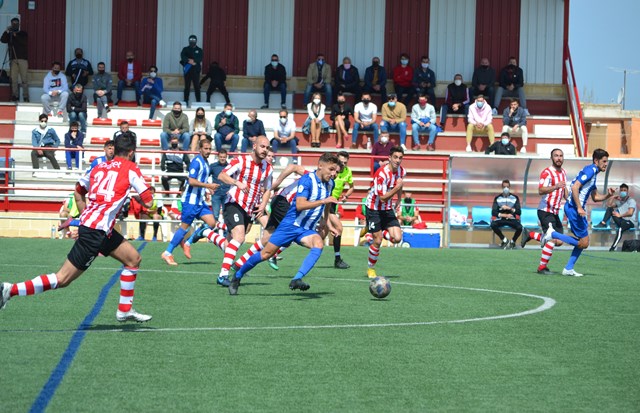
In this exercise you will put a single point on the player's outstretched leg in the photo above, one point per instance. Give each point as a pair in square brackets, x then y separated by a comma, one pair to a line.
[308, 263]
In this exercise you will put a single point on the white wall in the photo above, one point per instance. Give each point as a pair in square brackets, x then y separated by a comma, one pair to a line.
[177, 20]
[88, 26]
[270, 31]
[361, 32]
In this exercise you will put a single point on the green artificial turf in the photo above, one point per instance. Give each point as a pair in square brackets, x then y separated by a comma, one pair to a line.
[334, 347]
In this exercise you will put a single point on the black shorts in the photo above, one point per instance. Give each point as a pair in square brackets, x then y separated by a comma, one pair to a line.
[234, 215]
[279, 208]
[90, 243]
[381, 220]
[333, 208]
[548, 219]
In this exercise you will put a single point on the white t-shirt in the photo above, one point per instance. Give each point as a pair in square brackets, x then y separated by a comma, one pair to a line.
[366, 114]
[129, 71]
[286, 130]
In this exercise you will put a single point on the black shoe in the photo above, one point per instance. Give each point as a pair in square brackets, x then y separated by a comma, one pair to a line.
[283, 106]
[600, 225]
[340, 264]
[233, 285]
[264, 107]
[545, 271]
[504, 245]
[612, 249]
[298, 284]
[15, 98]
[525, 237]
[442, 127]
[25, 100]
[512, 245]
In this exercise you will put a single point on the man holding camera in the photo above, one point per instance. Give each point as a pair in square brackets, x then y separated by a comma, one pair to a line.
[16, 41]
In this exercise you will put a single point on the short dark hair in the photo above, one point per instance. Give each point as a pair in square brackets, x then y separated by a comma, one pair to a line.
[599, 154]
[396, 149]
[177, 102]
[43, 116]
[505, 134]
[222, 151]
[625, 186]
[124, 122]
[125, 143]
[15, 19]
[556, 149]
[329, 157]
[110, 142]
[201, 142]
[101, 63]
[506, 181]
[153, 67]
[55, 62]
[74, 123]
[344, 154]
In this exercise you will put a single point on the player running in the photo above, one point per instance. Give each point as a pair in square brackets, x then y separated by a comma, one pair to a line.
[307, 208]
[381, 218]
[107, 186]
[582, 186]
[552, 185]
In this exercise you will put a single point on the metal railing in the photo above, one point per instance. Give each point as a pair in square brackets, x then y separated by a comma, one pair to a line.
[575, 110]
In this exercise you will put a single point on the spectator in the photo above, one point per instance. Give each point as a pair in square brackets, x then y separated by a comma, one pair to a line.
[285, 133]
[55, 89]
[220, 194]
[424, 80]
[251, 129]
[217, 78]
[17, 42]
[44, 136]
[506, 213]
[124, 128]
[511, 84]
[77, 107]
[365, 115]
[315, 123]
[375, 79]
[73, 139]
[423, 120]
[483, 81]
[151, 91]
[129, 75]
[502, 146]
[275, 78]
[347, 79]
[381, 150]
[227, 128]
[340, 113]
[409, 213]
[102, 85]
[191, 61]
[394, 118]
[200, 128]
[479, 118]
[403, 79]
[622, 208]
[318, 79]
[514, 121]
[174, 161]
[79, 69]
[456, 100]
[175, 124]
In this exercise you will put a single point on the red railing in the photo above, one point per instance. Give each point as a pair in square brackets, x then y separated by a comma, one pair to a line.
[575, 110]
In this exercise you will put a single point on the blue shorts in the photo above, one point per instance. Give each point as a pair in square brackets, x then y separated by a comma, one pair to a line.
[579, 225]
[191, 212]
[286, 233]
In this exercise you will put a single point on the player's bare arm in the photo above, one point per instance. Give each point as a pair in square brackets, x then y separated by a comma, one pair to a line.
[195, 183]
[544, 190]
[596, 197]
[226, 179]
[393, 191]
[291, 168]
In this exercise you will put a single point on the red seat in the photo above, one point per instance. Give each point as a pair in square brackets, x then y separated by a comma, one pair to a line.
[93, 158]
[150, 142]
[151, 122]
[132, 122]
[127, 104]
[103, 122]
[146, 161]
[99, 140]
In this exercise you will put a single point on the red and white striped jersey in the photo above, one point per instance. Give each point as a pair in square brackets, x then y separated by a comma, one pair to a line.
[108, 186]
[255, 175]
[383, 181]
[552, 201]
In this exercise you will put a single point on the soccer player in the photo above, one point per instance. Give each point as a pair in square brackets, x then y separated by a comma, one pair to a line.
[307, 208]
[552, 185]
[193, 201]
[582, 186]
[250, 176]
[107, 186]
[381, 218]
[343, 179]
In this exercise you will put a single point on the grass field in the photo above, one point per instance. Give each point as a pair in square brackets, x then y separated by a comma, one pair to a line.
[463, 330]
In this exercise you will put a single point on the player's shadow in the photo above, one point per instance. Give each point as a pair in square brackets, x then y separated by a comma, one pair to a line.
[125, 328]
[296, 296]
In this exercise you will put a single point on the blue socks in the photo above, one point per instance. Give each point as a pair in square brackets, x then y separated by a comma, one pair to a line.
[308, 263]
[573, 258]
[178, 236]
[565, 238]
[253, 260]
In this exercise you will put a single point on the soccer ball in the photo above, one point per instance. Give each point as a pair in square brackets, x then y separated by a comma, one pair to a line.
[380, 287]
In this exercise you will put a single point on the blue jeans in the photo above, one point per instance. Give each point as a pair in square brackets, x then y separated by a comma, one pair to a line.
[310, 89]
[244, 145]
[233, 143]
[217, 200]
[293, 144]
[306, 126]
[184, 139]
[69, 155]
[400, 127]
[373, 127]
[416, 130]
[148, 97]
[80, 117]
[282, 87]
[444, 109]
[135, 85]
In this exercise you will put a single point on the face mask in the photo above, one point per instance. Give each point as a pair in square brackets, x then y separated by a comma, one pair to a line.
[78, 94]
[192, 42]
[320, 62]
[227, 113]
[283, 120]
[130, 59]
[480, 104]
[505, 141]
[505, 190]
[422, 102]
[200, 116]
[176, 113]
[484, 66]
[101, 72]
[43, 125]
[153, 75]
[78, 55]
[425, 65]
[457, 82]
[316, 101]
[376, 64]
[340, 102]
[392, 104]
[274, 63]
[174, 145]
[384, 139]
[366, 101]
[56, 72]
[404, 62]
[347, 66]
[407, 200]
[623, 194]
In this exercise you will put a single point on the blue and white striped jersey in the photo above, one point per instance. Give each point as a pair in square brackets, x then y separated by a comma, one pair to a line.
[587, 177]
[312, 188]
[199, 170]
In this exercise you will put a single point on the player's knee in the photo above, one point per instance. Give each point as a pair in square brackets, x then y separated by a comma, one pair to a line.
[558, 242]
[583, 243]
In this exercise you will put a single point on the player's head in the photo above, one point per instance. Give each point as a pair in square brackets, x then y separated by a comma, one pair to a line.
[328, 166]
[269, 156]
[204, 146]
[395, 157]
[624, 190]
[222, 156]
[260, 148]
[557, 157]
[125, 145]
[109, 149]
[601, 159]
